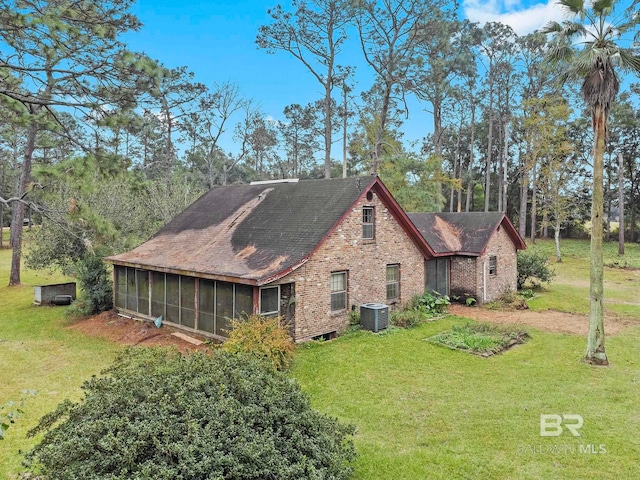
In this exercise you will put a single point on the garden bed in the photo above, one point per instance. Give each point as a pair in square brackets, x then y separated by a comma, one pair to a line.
[480, 338]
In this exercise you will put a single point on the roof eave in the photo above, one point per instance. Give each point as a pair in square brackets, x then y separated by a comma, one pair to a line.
[513, 233]
[403, 219]
[190, 273]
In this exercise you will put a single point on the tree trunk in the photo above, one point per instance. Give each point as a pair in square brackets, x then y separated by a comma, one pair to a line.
[456, 159]
[471, 157]
[345, 125]
[607, 225]
[505, 168]
[620, 205]
[500, 167]
[556, 236]
[595, 339]
[524, 193]
[487, 174]
[382, 124]
[632, 218]
[2, 191]
[327, 127]
[534, 202]
[17, 217]
[437, 127]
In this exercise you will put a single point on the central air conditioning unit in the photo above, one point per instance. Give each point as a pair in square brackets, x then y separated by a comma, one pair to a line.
[374, 316]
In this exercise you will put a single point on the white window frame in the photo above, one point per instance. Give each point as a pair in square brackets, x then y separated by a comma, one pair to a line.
[273, 313]
[336, 292]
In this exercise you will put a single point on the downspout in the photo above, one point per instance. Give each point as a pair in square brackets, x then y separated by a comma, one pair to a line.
[484, 282]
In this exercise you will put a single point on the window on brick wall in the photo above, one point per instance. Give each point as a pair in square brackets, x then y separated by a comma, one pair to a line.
[338, 291]
[270, 301]
[368, 223]
[393, 282]
[493, 265]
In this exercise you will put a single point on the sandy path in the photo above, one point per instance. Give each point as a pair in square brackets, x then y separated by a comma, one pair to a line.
[549, 320]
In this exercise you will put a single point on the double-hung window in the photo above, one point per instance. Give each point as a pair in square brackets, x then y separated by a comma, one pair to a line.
[368, 223]
[493, 265]
[338, 291]
[393, 282]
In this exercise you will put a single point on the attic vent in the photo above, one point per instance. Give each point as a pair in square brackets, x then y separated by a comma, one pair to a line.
[267, 182]
[369, 195]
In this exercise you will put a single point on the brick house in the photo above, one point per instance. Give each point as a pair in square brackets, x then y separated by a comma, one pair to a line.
[309, 251]
[480, 253]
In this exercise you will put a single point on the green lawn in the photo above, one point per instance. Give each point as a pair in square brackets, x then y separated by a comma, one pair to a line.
[569, 289]
[421, 410]
[424, 411]
[38, 353]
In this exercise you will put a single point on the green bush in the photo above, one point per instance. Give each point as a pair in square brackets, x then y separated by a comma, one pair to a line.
[155, 414]
[533, 267]
[431, 304]
[95, 281]
[510, 301]
[407, 318]
[420, 308]
[261, 336]
[354, 317]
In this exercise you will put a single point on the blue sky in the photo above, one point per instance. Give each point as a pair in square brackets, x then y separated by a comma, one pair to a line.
[216, 40]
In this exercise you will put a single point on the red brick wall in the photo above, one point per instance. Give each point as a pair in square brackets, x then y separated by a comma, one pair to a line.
[467, 272]
[365, 262]
[506, 275]
[464, 278]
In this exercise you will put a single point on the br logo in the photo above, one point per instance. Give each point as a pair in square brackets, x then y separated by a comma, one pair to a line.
[552, 425]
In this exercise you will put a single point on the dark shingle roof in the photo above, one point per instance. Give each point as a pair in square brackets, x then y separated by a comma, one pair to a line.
[464, 233]
[249, 231]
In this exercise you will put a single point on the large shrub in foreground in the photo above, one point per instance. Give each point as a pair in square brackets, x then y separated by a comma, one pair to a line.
[156, 414]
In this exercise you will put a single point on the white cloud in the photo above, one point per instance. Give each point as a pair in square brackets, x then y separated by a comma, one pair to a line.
[522, 19]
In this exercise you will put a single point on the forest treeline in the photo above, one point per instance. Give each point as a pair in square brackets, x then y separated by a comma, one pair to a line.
[102, 145]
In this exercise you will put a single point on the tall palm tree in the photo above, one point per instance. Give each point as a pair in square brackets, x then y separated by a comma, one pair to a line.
[591, 46]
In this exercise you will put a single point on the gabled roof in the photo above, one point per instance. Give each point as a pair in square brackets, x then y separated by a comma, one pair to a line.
[258, 233]
[463, 233]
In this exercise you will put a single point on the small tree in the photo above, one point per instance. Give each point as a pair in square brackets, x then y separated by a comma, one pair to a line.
[95, 281]
[533, 266]
[156, 414]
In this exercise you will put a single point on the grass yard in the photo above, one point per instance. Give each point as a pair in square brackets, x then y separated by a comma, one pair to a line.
[38, 353]
[569, 289]
[427, 412]
[421, 411]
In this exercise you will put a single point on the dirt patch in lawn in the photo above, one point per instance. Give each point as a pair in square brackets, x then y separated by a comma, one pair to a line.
[549, 320]
[125, 331]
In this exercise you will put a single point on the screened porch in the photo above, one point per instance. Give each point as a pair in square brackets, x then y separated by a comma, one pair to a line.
[199, 304]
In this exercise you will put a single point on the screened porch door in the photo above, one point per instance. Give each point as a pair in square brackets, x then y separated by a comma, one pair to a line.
[437, 276]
